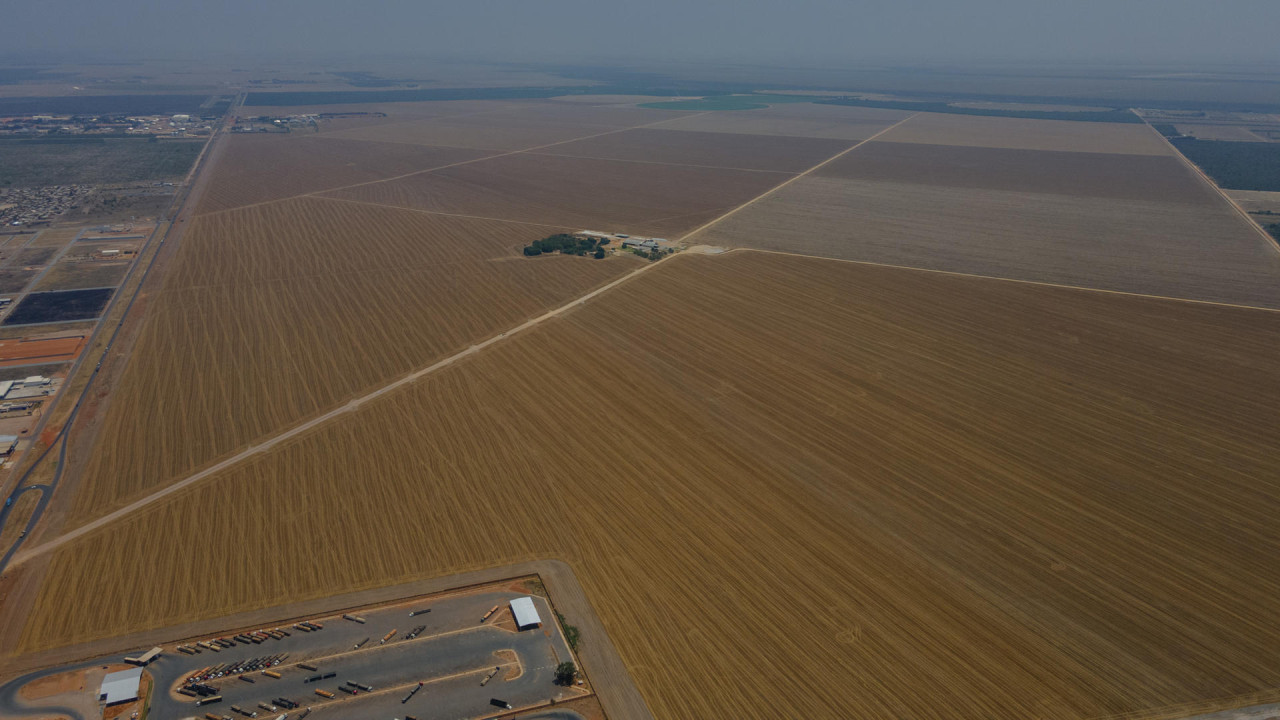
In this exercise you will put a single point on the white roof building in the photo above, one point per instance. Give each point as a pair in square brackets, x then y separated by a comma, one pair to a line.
[525, 613]
[118, 687]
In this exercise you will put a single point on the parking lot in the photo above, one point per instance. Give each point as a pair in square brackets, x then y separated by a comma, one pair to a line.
[366, 665]
[381, 662]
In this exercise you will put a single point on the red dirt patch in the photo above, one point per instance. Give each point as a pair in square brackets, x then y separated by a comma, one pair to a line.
[21, 352]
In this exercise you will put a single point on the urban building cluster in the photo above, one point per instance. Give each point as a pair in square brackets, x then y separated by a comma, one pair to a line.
[39, 205]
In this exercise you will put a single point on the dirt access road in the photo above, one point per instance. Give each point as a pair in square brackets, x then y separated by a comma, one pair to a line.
[355, 404]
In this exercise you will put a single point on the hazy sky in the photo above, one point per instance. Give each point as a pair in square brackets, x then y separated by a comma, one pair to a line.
[804, 32]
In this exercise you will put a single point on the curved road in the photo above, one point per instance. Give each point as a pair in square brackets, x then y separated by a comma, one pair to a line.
[11, 704]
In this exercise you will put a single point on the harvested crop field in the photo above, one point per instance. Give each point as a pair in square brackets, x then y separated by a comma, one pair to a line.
[1195, 252]
[256, 168]
[1079, 174]
[608, 195]
[1023, 134]
[482, 131]
[274, 313]
[80, 275]
[797, 120]
[918, 494]
[727, 150]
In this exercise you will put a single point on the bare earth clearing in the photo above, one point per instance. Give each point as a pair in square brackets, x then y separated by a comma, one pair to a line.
[919, 494]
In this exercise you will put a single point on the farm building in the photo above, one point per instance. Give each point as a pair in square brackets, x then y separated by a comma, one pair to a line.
[642, 243]
[525, 613]
[118, 687]
[144, 659]
[7, 444]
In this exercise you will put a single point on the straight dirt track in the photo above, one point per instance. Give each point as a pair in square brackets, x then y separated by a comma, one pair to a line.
[354, 404]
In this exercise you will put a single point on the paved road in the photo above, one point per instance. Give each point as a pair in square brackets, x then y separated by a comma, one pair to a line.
[46, 492]
[451, 656]
[600, 661]
[11, 704]
[161, 232]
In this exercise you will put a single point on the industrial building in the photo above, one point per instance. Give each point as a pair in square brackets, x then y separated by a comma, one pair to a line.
[525, 613]
[8, 443]
[119, 687]
[33, 386]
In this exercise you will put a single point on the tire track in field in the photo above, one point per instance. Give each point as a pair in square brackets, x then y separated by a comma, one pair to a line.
[356, 403]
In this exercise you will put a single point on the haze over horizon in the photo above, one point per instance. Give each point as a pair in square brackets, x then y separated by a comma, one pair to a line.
[803, 33]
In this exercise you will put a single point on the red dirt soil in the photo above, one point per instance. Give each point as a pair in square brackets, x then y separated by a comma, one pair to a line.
[21, 352]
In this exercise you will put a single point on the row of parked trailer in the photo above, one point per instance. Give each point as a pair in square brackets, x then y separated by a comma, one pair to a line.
[213, 672]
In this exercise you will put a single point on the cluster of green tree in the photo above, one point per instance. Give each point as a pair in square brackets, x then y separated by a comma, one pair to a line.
[566, 673]
[1111, 116]
[653, 255]
[1235, 165]
[1274, 229]
[568, 245]
[571, 633]
[1166, 130]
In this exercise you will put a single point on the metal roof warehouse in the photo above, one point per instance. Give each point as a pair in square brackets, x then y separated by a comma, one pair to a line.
[122, 686]
[525, 613]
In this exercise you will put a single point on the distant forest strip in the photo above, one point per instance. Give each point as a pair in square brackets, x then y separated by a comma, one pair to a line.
[1110, 116]
[114, 105]
[1235, 165]
[349, 97]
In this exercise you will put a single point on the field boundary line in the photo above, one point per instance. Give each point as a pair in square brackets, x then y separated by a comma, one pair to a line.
[356, 403]
[659, 162]
[1042, 283]
[1271, 242]
[300, 429]
[443, 214]
[530, 150]
[779, 186]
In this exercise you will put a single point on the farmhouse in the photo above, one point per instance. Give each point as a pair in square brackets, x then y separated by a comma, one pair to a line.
[525, 613]
[119, 687]
[641, 243]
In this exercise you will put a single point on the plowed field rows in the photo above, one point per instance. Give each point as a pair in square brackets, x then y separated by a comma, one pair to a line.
[1079, 174]
[797, 120]
[1197, 252]
[731, 150]
[486, 131]
[260, 167]
[606, 195]
[1023, 134]
[277, 312]
[793, 486]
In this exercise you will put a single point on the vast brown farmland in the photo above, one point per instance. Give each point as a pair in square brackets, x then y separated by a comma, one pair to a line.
[1080, 174]
[584, 193]
[1022, 134]
[483, 131]
[797, 120]
[731, 150]
[794, 486]
[1195, 252]
[260, 167]
[277, 312]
